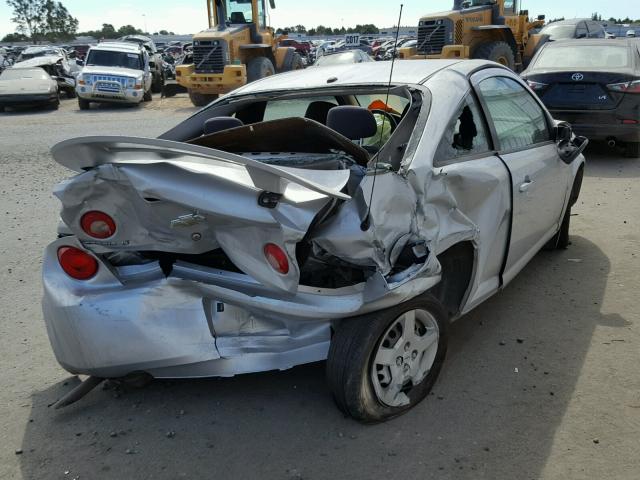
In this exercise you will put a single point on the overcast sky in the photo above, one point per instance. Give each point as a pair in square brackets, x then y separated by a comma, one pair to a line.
[189, 16]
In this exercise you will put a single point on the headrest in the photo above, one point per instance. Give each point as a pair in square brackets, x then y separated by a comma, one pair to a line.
[318, 111]
[217, 124]
[352, 122]
[237, 17]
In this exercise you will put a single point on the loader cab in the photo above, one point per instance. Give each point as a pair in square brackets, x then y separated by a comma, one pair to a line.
[232, 13]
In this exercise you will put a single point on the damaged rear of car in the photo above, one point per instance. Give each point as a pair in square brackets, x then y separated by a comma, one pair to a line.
[297, 219]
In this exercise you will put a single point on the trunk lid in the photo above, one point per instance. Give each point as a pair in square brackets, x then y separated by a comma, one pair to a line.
[169, 196]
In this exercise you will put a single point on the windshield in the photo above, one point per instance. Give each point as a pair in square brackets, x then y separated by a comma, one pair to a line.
[106, 58]
[573, 57]
[339, 58]
[239, 11]
[556, 32]
[24, 74]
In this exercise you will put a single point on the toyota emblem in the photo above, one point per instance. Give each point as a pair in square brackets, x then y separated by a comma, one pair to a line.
[577, 77]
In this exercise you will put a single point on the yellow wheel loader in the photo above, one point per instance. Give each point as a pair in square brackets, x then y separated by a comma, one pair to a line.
[489, 29]
[237, 48]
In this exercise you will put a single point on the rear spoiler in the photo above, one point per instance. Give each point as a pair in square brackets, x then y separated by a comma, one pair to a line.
[84, 153]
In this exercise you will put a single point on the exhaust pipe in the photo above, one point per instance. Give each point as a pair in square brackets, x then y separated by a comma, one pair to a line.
[611, 142]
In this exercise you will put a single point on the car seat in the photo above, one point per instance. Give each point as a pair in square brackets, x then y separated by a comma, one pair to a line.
[217, 124]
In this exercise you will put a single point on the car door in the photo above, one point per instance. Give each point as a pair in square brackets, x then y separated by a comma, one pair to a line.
[473, 173]
[523, 133]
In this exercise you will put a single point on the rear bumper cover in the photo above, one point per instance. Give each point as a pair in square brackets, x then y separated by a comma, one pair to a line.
[583, 125]
[197, 322]
[30, 99]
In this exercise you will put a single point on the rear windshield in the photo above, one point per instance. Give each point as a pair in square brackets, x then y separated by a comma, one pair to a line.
[557, 32]
[105, 58]
[24, 74]
[573, 57]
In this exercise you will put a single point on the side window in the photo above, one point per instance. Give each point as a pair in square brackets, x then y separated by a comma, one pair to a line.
[581, 30]
[465, 134]
[262, 18]
[518, 119]
[595, 30]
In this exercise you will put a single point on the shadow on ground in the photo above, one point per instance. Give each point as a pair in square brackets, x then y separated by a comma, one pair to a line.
[601, 158]
[485, 419]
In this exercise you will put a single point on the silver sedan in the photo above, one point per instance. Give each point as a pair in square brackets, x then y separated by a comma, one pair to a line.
[317, 214]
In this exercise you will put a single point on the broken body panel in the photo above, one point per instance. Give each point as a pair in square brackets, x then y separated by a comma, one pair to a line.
[183, 288]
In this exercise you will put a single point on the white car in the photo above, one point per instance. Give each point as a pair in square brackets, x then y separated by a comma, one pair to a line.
[26, 87]
[114, 73]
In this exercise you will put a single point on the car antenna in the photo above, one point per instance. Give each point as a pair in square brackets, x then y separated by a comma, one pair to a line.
[364, 225]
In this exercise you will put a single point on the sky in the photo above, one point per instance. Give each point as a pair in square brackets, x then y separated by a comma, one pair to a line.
[189, 16]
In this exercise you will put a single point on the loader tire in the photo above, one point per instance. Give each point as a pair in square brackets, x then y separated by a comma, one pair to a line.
[499, 52]
[259, 67]
[201, 99]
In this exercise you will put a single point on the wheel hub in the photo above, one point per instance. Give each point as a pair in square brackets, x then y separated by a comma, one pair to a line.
[404, 356]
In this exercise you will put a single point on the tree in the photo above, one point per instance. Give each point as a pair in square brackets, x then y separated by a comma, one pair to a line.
[108, 31]
[301, 29]
[40, 19]
[128, 30]
[15, 37]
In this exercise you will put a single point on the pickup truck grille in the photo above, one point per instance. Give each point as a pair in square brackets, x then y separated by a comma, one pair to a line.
[433, 35]
[209, 56]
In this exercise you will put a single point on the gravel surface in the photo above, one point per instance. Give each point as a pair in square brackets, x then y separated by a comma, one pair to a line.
[541, 381]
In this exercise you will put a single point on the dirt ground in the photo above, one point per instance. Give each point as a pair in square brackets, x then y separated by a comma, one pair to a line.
[541, 381]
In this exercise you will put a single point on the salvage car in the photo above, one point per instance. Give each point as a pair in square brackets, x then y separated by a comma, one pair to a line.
[114, 72]
[593, 84]
[27, 87]
[55, 62]
[259, 234]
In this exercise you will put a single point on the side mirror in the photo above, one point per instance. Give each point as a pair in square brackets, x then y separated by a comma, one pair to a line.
[569, 147]
[563, 132]
[80, 63]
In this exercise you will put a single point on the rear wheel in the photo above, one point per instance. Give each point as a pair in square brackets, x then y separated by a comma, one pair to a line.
[201, 99]
[56, 103]
[83, 104]
[382, 364]
[632, 149]
[260, 67]
[147, 96]
[499, 52]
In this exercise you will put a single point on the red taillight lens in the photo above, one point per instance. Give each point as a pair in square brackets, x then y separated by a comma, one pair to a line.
[626, 87]
[277, 258]
[98, 224]
[77, 263]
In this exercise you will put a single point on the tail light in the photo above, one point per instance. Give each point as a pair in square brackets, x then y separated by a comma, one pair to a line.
[77, 263]
[277, 258]
[536, 86]
[626, 87]
[98, 224]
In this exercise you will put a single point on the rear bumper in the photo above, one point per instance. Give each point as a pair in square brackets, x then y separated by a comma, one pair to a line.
[197, 322]
[234, 76]
[30, 99]
[595, 127]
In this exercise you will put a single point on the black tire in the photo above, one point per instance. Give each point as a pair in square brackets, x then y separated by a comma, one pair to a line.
[560, 241]
[71, 93]
[158, 82]
[296, 62]
[632, 150]
[83, 104]
[147, 96]
[499, 52]
[350, 360]
[55, 104]
[2, 108]
[259, 67]
[201, 99]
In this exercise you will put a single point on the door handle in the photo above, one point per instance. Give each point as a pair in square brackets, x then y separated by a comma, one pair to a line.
[526, 184]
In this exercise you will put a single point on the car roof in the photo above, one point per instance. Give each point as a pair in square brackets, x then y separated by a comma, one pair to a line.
[621, 41]
[127, 47]
[569, 21]
[369, 73]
